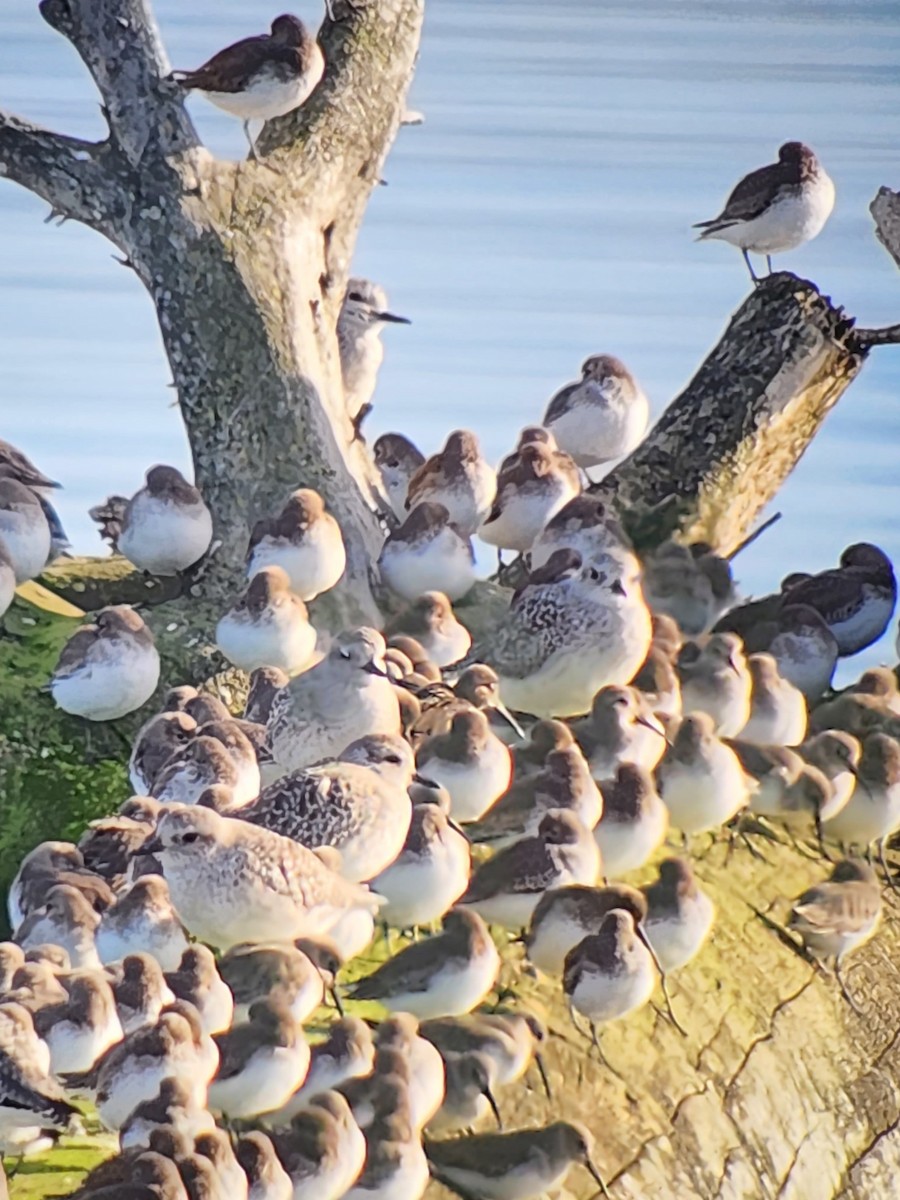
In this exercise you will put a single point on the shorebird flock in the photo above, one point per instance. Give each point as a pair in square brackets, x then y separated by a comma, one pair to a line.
[196, 966]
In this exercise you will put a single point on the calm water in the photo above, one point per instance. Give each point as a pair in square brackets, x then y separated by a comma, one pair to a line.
[541, 214]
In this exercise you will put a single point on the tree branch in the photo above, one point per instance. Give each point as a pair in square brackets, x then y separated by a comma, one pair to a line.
[64, 171]
[119, 43]
[889, 336]
[885, 210]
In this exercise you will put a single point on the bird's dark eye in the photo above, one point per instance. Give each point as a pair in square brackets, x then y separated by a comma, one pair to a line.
[356, 296]
[393, 758]
[593, 573]
[345, 654]
[188, 838]
[393, 462]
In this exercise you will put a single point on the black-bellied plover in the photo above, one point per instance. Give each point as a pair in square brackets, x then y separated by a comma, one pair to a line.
[358, 805]
[363, 315]
[505, 889]
[428, 553]
[142, 919]
[344, 697]
[233, 882]
[266, 1177]
[82, 1028]
[174, 1105]
[263, 1062]
[679, 916]
[621, 727]
[429, 874]
[323, 1150]
[165, 527]
[458, 477]
[397, 460]
[873, 810]
[523, 1165]
[268, 626]
[700, 778]
[431, 621]
[715, 680]
[65, 919]
[260, 77]
[778, 712]
[140, 990]
[447, 974]
[197, 980]
[24, 531]
[603, 416]
[305, 540]
[156, 741]
[775, 208]
[530, 492]
[470, 761]
[280, 971]
[610, 973]
[108, 668]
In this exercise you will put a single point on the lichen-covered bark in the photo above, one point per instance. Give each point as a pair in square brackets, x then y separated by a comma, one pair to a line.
[885, 210]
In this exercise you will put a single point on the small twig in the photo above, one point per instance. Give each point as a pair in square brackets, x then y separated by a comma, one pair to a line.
[889, 336]
[751, 537]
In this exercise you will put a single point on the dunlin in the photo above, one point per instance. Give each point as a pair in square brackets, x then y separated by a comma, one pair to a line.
[796, 636]
[397, 460]
[530, 756]
[715, 680]
[567, 915]
[530, 492]
[620, 728]
[65, 919]
[217, 1146]
[324, 1150]
[385, 1089]
[430, 873]
[266, 1177]
[139, 1173]
[263, 1062]
[693, 588]
[572, 629]
[524, 1165]
[775, 208]
[431, 621]
[659, 685]
[363, 315]
[108, 668]
[261, 77]
[839, 915]
[778, 713]
[347, 1052]
[197, 980]
[634, 822]
[140, 990]
[344, 697]
[142, 919]
[700, 778]
[459, 478]
[245, 746]
[233, 882]
[428, 553]
[174, 1105]
[265, 683]
[202, 764]
[679, 916]
[268, 626]
[880, 682]
[856, 599]
[470, 762]
[24, 531]
[20, 467]
[445, 975]
[585, 525]
[565, 782]
[12, 957]
[304, 540]
[30, 1098]
[156, 741]
[204, 1044]
[477, 687]
[166, 527]
[469, 1097]
[873, 810]
[107, 845]
[396, 1166]
[506, 889]
[427, 1083]
[601, 417]
[280, 971]
[82, 1028]
[511, 1040]
[611, 973]
[773, 773]
[837, 756]
[19, 1038]
[48, 864]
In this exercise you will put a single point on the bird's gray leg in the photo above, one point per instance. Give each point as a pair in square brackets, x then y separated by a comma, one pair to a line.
[753, 274]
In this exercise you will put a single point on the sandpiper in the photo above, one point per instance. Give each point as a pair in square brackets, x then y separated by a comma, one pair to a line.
[459, 478]
[611, 973]
[304, 540]
[431, 621]
[778, 713]
[324, 1150]
[142, 920]
[263, 1062]
[397, 460]
[701, 779]
[679, 914]
[265, 683]
[506, 889]
[839, 915]
[856, 599]
[204, 1043]
[8, 578]
[233, 882]
[268, 626]
[280, 971]
[266, 1177]
[396, 1165]
[217, 1147]
[259, 78]
[156, 741]
[430, 873]
[510, 1039]
[347, 1052]
[108, 668]
[634, 822]
[620, 728]
[471, 1079]
[51, 863]
[344, 697]
[837, 756]
[65, 919]
[603, 416]
[427, 1074]
[524, 1165]
[428, 553]
[24, 531]
[585, 524]
[564, 782]
[197, 980]
[873, 810]
[165, 527]
[363, 315]
[359, 805]
[567, 915]
[82, 1028]
[140, 990]
[715, 680]
[775, 208]
[530, 492]
[174, 1105]
[659, 685]
[470, 762]
[445, 975]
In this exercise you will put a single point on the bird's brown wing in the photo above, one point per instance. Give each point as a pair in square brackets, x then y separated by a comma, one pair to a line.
[232, 68]
[753, 195]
